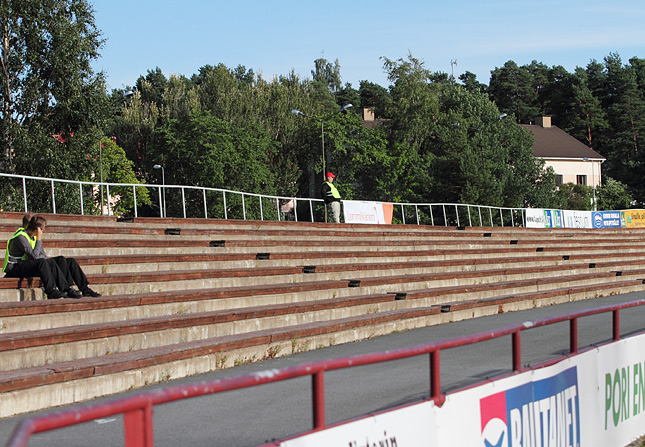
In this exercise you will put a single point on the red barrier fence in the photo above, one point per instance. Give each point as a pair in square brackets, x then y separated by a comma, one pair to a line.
[137, 410]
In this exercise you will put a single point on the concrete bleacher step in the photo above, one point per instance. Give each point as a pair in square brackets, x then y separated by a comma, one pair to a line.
[185, 296]
[68, 381]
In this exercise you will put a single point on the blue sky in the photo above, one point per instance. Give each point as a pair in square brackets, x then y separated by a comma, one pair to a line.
[275, 37]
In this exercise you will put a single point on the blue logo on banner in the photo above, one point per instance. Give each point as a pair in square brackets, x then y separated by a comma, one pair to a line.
[606, 219]
[537, 414]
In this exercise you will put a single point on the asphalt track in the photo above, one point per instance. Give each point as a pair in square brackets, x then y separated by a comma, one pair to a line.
[253, 416]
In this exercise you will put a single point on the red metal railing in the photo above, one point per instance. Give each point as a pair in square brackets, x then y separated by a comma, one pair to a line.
[137, 410]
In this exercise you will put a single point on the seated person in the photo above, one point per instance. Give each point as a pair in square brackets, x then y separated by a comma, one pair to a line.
[70, 268]
[22, 261]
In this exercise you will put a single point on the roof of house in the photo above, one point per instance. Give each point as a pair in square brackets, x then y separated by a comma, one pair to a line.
[553, 142]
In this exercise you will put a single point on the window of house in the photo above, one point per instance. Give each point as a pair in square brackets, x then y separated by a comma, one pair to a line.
[581, 179]
[558, 180]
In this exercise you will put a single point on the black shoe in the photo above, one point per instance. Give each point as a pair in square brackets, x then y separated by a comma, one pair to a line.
[71, 293]
[55, 294]
[89, 292]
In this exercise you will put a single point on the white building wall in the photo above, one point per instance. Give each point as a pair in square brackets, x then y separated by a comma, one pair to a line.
[571, 169]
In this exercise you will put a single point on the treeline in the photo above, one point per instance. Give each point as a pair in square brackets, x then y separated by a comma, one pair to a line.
[438, 139]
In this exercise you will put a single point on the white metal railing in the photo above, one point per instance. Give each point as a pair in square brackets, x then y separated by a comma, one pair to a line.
[442, 214]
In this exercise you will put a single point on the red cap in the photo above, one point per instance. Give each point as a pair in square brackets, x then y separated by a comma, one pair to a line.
[329, 174]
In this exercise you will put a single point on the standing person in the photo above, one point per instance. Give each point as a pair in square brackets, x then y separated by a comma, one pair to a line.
[332, 197]
[22, 260]
[69, 266]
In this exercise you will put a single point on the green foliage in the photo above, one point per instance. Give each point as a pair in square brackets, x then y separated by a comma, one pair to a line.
[118, 169]
[48, 86]
[613, 195]
[576, 197]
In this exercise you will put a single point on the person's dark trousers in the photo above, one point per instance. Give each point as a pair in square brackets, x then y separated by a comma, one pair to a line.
[46, 269]
[72, 271]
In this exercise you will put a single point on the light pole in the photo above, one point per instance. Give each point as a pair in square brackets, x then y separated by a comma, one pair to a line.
[322, 130]
[163, 183]
[322, 136]
[593, 182]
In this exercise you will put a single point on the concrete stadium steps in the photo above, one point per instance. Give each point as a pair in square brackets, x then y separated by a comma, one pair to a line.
[187, 296]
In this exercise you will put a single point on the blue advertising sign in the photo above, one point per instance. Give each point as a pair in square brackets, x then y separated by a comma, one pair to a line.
[606, 219]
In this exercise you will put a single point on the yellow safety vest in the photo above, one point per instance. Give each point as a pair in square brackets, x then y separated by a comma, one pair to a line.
[334, 192]
[19, 232]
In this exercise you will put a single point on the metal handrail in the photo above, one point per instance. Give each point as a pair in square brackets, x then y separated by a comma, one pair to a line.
[137, 410]
[450, 211]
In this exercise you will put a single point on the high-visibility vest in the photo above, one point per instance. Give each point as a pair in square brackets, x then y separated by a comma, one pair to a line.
[334, 192]
[13, 259]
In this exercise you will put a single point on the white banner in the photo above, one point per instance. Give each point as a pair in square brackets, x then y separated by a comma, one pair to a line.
[411, 426]
[620, 408]
[356, 211]
[577, 219]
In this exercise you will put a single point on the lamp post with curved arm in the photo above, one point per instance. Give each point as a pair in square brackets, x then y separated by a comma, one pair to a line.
[322, 129]
[322, 135]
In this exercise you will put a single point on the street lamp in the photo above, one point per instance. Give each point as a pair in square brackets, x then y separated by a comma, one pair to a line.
[163, 183]
[593, 182]
[322, 129]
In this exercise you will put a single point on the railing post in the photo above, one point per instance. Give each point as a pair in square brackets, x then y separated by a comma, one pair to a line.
[243, 207]
[435, 375]
[24, 193]
[53, 198]
[134, 197]
[431, 215]
[205, 205]
[160, 205]
[445, 219]
[501, 217]
[261, 213]
[80, 196]
[107, 192]
[573, 335]
[517, 351]
[137, 427]
[311, 209]
[318, 396]
[183, 201]
[457, 213]
[277, 207]
[416, 211]
[225, 212]
[403, 214]
[295, 209]
[616, 324]
[490, 211]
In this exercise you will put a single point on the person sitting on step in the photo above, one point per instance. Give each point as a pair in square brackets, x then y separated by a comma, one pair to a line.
[70, 268]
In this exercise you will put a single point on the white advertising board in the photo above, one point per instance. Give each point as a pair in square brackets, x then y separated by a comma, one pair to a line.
[411, 426]
[577, 219]
[355, 211]
[538, 408]
[621, 385]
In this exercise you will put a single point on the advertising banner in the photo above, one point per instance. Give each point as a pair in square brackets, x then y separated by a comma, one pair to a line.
[538, 408]
[535, 218]
[633, 218]
[620, 410]
[577, 219]
[355, 211]
[540, 218]
[606, 219]
[412, 426]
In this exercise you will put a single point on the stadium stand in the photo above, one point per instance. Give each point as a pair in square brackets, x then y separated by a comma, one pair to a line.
[188, 296]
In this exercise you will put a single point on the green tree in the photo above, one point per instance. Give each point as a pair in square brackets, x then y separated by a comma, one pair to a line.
[576, 197]
[613, 195]
[47, 85]
[514, 91]
[118, 169]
